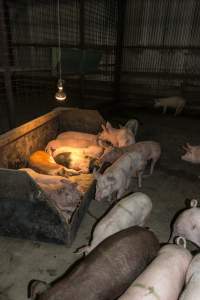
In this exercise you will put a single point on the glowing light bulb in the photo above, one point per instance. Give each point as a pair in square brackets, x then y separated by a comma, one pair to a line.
[60, 95]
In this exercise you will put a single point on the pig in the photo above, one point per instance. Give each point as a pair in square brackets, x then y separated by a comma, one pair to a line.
[117, 178]
[149, 150]
[176, 102]
[163, 278]
[106, 272]
[192, 154]
[129, 211]
[117, 137]
[44, 163]
[187, 224]
[92, 139]
[80, 159]
[63, 193]
[192, 288]
[133, 125]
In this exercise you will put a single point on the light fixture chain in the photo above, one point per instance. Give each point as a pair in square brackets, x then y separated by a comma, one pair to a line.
[59, 40]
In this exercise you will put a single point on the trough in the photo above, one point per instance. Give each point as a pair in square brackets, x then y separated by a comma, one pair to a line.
[25, 211]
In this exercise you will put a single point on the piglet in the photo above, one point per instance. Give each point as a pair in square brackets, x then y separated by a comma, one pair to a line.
[44, 163]
[164, 278]
[117, 137]
[192, 288]
[106, 272]
[187, 224]
[117, 178]
[173, 102]
[150, 151]
[63, 193]
[129, 211]
[192, 154]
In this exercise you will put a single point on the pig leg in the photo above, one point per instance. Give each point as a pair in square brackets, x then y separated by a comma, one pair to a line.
[179, 110]
[139, 175]
[165, 109]
[153, 162]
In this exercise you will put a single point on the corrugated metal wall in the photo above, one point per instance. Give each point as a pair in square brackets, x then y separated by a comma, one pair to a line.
[31, 32]
[161, 51]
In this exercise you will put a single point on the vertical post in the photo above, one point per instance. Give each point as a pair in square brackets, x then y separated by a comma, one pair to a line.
[119, 47]
[6, 60]
[81, 45]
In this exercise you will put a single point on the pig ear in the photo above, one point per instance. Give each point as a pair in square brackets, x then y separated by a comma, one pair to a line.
[96, 174]
[181, 241]
[35, 288]
[103, 127]
[193, 203]
[121, 126]
[189, 146]
[109, 126]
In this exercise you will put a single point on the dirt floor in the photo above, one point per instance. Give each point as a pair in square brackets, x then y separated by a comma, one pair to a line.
[172, 183]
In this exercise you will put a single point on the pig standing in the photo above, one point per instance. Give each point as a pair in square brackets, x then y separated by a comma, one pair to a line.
[117, 137]
[117, 178]
[107, 271]
[164, 278]
[149, 150]
[44, 163]
[58, 189]
[187, 224]
[192, 154]
[129, 211]
[192, 289]
[173, 102]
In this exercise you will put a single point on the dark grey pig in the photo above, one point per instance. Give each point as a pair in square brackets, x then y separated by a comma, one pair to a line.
[106, 272]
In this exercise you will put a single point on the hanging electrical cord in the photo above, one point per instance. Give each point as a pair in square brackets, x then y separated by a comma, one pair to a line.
[60, 95]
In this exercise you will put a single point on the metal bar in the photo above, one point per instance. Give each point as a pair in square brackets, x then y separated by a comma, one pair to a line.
[6, 64]
[119, 47]
[81, 45]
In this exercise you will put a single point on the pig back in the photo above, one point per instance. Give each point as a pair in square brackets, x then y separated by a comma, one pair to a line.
[109, 269]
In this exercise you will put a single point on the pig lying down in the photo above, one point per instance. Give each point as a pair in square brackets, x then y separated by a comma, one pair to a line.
[117, 178]
[187, 224]
[80, 159]
[192, 288]
[106, 272]
[129, 211]
[42, 162]
[176, 102]
[117, 137]
[164, 278]
[149, 150]
[63, 193]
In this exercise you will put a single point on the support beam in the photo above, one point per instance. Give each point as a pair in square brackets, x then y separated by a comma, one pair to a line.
[119, 47]
[6, 60]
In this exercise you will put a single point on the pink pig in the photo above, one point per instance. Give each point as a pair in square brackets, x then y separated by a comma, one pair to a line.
[187, 224]
[117, 178]
[117, 137]
[149, 150]
[192, 154]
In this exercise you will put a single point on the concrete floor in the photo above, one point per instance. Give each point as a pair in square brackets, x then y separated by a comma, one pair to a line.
[172, 183]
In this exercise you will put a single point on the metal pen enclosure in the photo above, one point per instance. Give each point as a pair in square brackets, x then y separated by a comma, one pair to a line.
[25, 211]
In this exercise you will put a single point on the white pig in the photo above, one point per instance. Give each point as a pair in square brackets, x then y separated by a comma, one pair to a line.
[117, 178]
[117, 137]
[192, 154]
[176, 102]
[149, 150]
[192, 289]
[164, 278]
[71, 135]
[187, 224]
[129, 211]
[58, 189]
